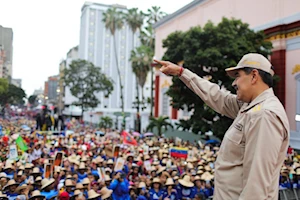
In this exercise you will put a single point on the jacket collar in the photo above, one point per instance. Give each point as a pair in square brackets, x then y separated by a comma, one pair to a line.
[260, 98]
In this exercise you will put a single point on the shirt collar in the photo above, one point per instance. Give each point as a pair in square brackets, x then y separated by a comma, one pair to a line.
[260, 98]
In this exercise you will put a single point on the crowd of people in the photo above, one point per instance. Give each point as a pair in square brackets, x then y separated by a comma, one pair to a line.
[88, 165]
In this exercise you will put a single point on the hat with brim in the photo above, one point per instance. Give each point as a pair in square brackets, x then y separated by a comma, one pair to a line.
[3, 196]
[47, 182]
[110, 162]
[22, 187]
[36, 194]
[156, 180]
[10, 183]
[105, 193]
[161, 169]
[3, 175]
[170, 182]
[69, 183]
[252, 60]
[36, 171]
[142, 185]
[92, 194]
[79, 186]
[186, 181]
[82, 166]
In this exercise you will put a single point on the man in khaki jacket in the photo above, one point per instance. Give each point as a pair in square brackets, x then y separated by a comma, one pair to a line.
[255, 145]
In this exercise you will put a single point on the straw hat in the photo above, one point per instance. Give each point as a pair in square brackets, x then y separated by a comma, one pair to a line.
[92, 194]
[21, 167]
[76, 193]
[79, 186]
[82, 166]
[155, 162]
[36, 170]
[84, 159]
[28, 165]
[73, 158]
[20, 173]
[110, 162]
[46, 182]
[199, 172]
[156, 180]
[107, 169]
[190, 166]
[69, 183]
[170, 182]
[3, 196]
[105, 193]
[3, 175]
[22, 187]
[36, 194]
[186, 181]
[207, 176]
[146, 157]
[39, 178]
[8, 166]
[161, 169]
[142, 185]
[85, 181]
[10, 183]
[176, 178]
[197, 178]
[107, 178]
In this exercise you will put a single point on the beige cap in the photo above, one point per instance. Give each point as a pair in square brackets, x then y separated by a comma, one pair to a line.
[253, 60]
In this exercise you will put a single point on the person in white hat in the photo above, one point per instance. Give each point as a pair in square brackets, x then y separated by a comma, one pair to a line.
[186, 188]
[170, 192]
[258, 117]
[47, 188]
[11, 189]
[156, 191]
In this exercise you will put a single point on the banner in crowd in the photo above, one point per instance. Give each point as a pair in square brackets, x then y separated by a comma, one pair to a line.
[48, 171]
[147, 165]
[13, 153]
[179, 152]
[21, 144]
[116, 151]
[119, 164]
[58, 159]
[128, 139]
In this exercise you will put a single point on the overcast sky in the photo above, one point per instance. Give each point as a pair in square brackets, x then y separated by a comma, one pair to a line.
[44, 31]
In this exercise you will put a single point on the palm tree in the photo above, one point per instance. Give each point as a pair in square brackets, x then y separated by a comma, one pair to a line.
[113, 20]
[135, 21]
[155, 14]
[159, 123]
[105, 122]
[141, 59]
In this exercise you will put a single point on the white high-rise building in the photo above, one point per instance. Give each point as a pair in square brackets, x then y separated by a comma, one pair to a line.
[96, 45]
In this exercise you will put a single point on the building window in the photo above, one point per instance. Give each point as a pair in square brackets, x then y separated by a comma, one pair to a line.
[92, 23]
[92, 13]
[91, 33]
[165, 102]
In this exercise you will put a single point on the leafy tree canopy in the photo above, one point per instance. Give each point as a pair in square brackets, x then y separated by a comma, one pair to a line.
[207, 52]
[85, 81]
[13, 95]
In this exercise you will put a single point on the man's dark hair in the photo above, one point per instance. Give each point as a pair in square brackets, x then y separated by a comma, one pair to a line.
[266, 77]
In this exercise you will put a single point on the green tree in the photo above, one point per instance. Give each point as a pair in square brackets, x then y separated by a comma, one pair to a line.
[105, 122]
[159, 123]
[135, 20]
[32, 99]
[113, 20]
[155, 14]
[207, 52]
[85, 80]
[13, 95]
[3, 85]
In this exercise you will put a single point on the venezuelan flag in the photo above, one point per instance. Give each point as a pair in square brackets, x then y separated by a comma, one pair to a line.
[179, 152]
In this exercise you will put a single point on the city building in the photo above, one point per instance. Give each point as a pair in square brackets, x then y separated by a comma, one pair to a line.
[17, 82]
[96, 45]
[280, 20]
[6, 45]
[61, 87]
[51, 89]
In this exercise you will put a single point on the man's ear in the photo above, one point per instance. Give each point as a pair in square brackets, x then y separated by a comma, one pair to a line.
[255, 76]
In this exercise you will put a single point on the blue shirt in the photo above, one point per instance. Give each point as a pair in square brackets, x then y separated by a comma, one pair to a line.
[155, 195]
[50, 194]
[172, 196]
